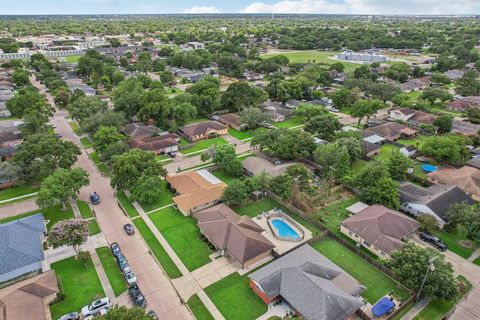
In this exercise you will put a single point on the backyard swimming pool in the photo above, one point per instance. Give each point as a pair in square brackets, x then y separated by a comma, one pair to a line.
[284, 230]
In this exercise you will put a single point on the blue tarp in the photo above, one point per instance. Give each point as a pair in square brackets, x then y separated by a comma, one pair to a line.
[428, 168]
[382, 307]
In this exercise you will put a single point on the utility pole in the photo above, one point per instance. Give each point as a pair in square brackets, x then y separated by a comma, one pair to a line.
[431, 267]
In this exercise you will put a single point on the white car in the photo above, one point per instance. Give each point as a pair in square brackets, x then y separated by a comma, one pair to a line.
[100, 312]
[96, 306]
[129, 276]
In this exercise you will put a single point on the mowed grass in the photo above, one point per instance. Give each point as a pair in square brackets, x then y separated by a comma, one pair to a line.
[198, 308]
[242, 135]
[126, 204]
[114, 275]
[438, 308]
[93, 226]
[225, 177]
[234, 298]
[377, 283]
[452, 239]
[332, 215]
[477, 261]
[164, 199]
[203, 144]
[183, 235]
[72, 59]
[17, 191]
[289, 123]
[84, 208]
[52, 215]
[86, 143]
[80, 284]
[156, 248]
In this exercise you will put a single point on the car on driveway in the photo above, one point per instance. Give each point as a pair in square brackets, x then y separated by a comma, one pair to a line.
[122, 261]
[70, 316]
[433, 240]
[137, 296]
[129, 276]
[100, 312]
[152, 315]
[129, 229]
[95, 307]
[115, 249]
[95, 198]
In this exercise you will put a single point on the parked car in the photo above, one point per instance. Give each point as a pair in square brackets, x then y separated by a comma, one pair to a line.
[152, 315]
[95, 198]
[433, 240]
[122, 261]
[100, 312]
[129, 229]
[137, 296]
[95, 307]
[58, 135]
[115, 249]
[70, 316]
[129, 276]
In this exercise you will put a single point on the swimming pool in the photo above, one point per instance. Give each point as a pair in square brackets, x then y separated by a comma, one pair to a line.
[284, 230]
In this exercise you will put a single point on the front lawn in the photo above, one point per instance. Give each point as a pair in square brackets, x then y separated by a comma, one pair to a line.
[477, 261]
[114, 275]
[333, 214]
[377, 283]
[198, 308]
[80, 284]
[203, 144]
[157, 250]
[164, 199]
[289, 123]
[84, 208]
[438, 308]
[17, 191]
[234, 298]
[52, 215]
[86, 143]
[126, 204]
[225, 177]
[453, 239]
[241, 135]
[93, 226]
[183, 235]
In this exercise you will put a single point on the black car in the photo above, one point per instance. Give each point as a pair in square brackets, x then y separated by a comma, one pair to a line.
[129, 229]
[95, 198]
[137, 296]
[122, 262]
[115, 249]
[433, 240]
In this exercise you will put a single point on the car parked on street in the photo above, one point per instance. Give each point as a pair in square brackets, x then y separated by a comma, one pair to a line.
[115, 249]
[70, 316]
[433, 240]
[129, 276]
[137, 296]
[129, 229]
[152, 315]
[95, 307]
[95, 198]
[122, 261]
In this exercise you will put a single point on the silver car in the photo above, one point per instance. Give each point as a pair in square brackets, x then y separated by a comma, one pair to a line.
[129, 276]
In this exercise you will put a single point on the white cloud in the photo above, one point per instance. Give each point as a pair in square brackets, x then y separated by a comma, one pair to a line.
[366, 7]
[200, 10]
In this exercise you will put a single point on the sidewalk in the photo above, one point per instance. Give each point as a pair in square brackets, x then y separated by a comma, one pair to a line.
[17, 208]
[416, 309]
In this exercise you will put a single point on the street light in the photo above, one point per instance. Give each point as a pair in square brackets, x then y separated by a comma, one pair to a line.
[431, 268]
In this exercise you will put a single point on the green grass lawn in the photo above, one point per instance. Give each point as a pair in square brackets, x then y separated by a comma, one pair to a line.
[80, 284]
[164, 199]
[225, 177]
[377, 283]
[95, 158]
[452, 240]
[17, 191]
[306, 56]
[289, 123]
[241, 135]
[234, 298]
[84, 208]
[333, 214]
[72, 59]
[358, 165]
[416, 141]
[126, 204]
[204, 144]
[156, 248]
[114, 275]
[438, 308]
[183, 235]
[198, 308]
[102, 167]
[93, 226]
[75, 127]
[52, 215]
[477, 261]
[86, 143]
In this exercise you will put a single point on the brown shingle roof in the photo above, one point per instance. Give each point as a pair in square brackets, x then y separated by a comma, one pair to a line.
[391, 130]
[381, 227]
[423, 117]
[156, 143]
[228, 118]
[239, 235]
[202, 128]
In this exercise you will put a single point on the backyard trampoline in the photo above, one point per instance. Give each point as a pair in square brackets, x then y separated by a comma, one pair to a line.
[428, 168]
[382, 307]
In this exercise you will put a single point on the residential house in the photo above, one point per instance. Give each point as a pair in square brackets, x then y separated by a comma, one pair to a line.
[402, 114]
[9, 139]
[392, 131]
[276, 111]
[292, 104]
[372, 149]
[467, 178]
[379, 229]
[29, 299]
[465, 127]
[454, 74]
[203, 130]
[464, 103]
[139, 130]
[313, 286]
[195, 190]
[434, 200]
[253, 166]
[21, 247]
[237, 237]
[412, 85]
[232, 120]
[166, 143]
[422, 118]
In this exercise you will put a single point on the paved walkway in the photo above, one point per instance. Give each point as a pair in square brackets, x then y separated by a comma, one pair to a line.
[64, 252]
[474, 255]
[76, 211]
[210, 306]
[416, 309]
[17, 208]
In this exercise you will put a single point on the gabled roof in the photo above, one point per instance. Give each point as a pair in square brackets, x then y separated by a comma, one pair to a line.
[139, 129]
[381, 227]
[423, 117]
[239, 235]
[311, 284]
[202, 128]
[230, 118]
[156, 143]
[391, 130]
[20, 243]
[259, 165]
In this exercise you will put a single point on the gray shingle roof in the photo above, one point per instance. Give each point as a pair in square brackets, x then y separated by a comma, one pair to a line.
[20, 243]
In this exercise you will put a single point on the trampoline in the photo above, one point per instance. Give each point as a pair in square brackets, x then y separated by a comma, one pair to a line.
[382, 307]
[428, 168]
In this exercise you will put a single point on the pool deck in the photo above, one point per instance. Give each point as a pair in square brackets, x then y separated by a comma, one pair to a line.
[281, 246]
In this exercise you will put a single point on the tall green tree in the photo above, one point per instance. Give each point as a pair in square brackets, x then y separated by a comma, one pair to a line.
[241, 95]
[324, 126]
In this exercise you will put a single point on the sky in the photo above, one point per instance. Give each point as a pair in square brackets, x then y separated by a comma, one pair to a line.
[240, 6]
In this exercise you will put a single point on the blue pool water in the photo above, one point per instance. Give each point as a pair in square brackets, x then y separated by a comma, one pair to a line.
[284, 230]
